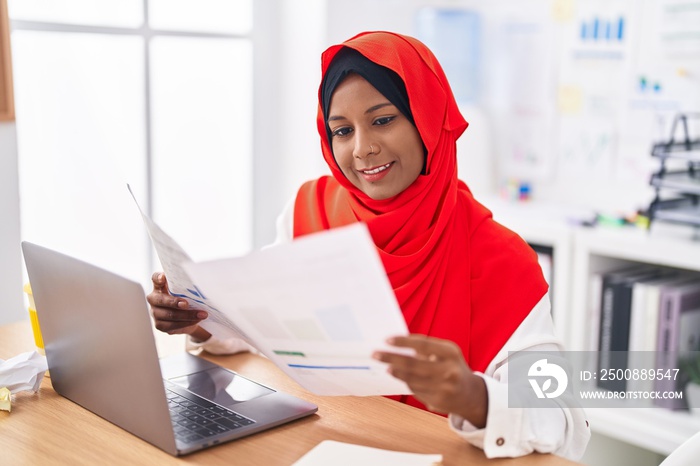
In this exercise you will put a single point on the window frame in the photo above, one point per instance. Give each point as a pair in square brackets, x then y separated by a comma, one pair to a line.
[7, 104]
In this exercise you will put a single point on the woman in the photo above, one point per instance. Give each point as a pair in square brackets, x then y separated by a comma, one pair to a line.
[470, 290]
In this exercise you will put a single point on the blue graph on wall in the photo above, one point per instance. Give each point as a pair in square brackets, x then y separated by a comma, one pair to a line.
[599, 29]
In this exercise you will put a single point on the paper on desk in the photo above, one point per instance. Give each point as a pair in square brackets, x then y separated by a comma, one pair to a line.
[23, 372]
[171, 257]
[318, 307]
[346, 454]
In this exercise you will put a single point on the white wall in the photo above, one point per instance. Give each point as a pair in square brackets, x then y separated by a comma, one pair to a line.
[11, 297]
[303, 32]
[288, 43]
[480, 157]
[267, 195]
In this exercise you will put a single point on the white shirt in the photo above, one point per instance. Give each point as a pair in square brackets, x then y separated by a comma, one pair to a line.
[509, 432]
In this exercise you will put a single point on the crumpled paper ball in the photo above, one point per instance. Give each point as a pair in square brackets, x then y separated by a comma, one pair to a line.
[23, 372]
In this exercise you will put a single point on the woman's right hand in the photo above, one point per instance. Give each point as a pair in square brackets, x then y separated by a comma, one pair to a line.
[172, 315]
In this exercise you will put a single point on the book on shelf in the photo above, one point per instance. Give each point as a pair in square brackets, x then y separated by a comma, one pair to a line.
[615, 313]
[593, 308]
[644, 314]
[678, 334]
[644, 324]
[595, 291]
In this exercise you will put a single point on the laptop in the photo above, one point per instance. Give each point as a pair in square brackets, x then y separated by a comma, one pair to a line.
[102, 355]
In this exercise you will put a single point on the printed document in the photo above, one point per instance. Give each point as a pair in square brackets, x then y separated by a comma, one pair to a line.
[318, 307]
[171, 257]
[348, 454]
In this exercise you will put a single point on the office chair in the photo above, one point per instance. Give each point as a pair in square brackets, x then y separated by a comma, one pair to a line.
[687, 454]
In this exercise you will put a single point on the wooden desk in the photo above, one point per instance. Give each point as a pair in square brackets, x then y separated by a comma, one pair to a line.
[45, 428]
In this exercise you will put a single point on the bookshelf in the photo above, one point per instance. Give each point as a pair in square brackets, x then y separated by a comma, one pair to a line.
[599, 249]
[582, 251]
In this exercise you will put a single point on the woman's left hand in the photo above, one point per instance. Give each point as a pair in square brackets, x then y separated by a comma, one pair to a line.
[439, 377]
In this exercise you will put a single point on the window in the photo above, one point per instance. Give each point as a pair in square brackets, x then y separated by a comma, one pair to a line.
[154, 93]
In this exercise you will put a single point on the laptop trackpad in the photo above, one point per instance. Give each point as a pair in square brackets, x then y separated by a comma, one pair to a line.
[221, 386]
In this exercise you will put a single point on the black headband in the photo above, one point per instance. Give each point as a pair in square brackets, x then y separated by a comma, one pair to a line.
[386, 81]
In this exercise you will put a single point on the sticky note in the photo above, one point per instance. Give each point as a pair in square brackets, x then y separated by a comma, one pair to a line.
[570, 100]
[563, 10]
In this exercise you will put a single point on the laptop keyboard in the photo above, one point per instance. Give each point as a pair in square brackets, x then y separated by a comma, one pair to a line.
[195, 418]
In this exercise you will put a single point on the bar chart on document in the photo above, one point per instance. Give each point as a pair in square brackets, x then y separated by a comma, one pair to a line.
[172, 256]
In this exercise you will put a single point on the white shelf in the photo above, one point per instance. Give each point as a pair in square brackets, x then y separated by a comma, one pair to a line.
[580, 251]
[669, 245]
[654, 429]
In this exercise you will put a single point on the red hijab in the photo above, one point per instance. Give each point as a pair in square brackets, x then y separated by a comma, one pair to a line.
[457, 274]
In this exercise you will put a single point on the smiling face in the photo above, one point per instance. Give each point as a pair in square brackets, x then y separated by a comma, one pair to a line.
[376, 147]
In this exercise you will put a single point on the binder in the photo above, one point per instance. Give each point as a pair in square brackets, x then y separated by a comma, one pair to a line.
[616, 306]
[679, 332]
